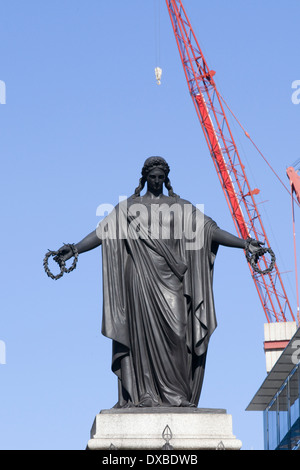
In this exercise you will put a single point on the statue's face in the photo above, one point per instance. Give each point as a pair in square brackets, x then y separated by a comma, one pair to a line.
[156, 179]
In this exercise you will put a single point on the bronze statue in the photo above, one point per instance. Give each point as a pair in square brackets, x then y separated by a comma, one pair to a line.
[158, 308]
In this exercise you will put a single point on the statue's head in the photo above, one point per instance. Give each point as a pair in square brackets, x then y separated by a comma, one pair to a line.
[155, 163]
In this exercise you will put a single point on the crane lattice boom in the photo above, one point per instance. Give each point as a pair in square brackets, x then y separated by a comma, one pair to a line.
[227, 161]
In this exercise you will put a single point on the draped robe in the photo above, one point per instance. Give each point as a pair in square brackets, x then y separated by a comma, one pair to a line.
[158, 305]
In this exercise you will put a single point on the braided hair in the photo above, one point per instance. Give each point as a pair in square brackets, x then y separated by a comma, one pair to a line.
[150, 164]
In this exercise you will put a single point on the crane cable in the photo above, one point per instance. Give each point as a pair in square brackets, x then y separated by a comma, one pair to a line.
[261, 154]
[157, 70]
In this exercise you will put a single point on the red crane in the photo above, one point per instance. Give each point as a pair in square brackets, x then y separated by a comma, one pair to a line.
[227, 161]
[295, 188]
[294, 181]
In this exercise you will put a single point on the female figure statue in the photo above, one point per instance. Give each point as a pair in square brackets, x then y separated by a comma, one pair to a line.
[158, 307]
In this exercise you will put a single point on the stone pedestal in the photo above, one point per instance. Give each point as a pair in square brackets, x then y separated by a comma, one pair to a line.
[152, 428]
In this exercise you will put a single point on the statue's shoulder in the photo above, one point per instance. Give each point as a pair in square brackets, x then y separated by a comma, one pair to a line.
[183, 202]
[132, 200]
[127, 201]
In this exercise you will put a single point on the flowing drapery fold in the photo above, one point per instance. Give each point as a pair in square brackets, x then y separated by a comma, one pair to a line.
[158, 307]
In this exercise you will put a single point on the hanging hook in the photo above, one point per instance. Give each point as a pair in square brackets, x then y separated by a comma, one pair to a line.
[158, 73]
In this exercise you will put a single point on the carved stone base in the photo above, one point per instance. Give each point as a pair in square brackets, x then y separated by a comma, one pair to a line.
[153, 428]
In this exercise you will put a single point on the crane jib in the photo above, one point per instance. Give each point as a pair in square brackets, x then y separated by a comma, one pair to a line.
[228, 164]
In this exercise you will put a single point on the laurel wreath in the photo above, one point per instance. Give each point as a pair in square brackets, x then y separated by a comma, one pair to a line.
[253, 258]
[60, 261]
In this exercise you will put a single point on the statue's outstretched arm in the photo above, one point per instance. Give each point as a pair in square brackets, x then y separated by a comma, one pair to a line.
[88, 243]
[227, 239]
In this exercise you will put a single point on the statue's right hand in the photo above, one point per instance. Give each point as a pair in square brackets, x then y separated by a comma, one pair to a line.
[65, 253]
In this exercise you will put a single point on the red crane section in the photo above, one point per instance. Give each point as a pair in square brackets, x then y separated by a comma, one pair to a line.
[227, 161]
[295, 188]
[294, 181]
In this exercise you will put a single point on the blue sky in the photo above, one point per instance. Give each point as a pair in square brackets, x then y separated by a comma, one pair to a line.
[83, 111]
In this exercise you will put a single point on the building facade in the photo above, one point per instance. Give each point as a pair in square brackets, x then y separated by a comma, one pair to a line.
[279, 400]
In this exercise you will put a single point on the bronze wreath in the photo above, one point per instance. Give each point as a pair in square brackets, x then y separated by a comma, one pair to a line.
[253, 259]
[61, 262]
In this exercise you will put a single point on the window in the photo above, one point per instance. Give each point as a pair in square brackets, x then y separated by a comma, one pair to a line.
[282, 416]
